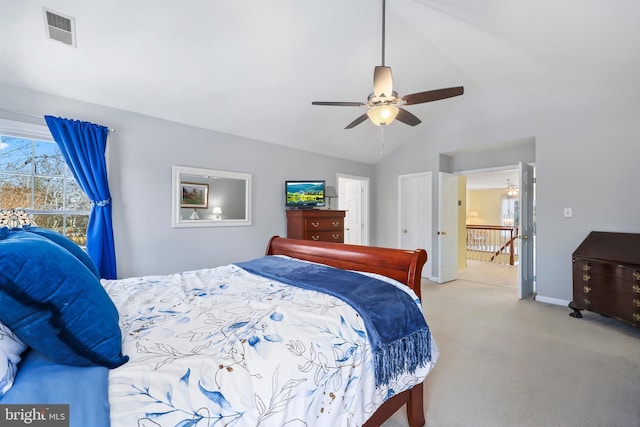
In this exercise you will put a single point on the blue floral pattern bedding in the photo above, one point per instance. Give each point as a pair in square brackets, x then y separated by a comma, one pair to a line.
[224, 347]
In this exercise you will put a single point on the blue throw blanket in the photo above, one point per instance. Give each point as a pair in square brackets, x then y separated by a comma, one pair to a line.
[399, 336]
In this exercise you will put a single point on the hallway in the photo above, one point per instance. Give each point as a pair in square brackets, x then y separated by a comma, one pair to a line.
[490, 274]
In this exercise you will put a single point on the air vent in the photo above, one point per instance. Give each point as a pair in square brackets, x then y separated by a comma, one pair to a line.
[59, 27]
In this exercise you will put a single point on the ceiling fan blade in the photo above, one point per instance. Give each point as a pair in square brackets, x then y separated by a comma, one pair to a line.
[357, 121]
[382, 81]
[339, 104]
[433, 95]
[406, 117]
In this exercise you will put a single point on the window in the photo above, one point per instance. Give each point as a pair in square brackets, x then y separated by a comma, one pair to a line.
[35, 176]
[510, 211]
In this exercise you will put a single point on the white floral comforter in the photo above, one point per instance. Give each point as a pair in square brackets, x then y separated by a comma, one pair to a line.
[226, 348]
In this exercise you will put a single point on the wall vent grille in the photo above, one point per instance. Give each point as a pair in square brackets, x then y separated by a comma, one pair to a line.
[59, 27]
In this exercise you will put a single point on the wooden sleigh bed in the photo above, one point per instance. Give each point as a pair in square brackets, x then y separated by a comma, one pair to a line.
[141, 388]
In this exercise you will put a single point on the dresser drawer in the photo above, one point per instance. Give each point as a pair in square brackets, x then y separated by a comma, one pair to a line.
[630, 314]
[325, 236]
[312, 224]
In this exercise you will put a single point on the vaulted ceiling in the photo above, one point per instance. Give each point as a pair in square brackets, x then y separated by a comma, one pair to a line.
[252, 68]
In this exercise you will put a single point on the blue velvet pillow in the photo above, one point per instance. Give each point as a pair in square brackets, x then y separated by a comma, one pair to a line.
[68, 244]
[55, 304]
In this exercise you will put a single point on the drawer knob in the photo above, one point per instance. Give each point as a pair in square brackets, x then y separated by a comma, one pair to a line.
[636, 302]
[335, 223]
[315, 224]
[636, 289]
[335, 236]
[636, 275]
[586, 267]
[586, 289]
[315, 237]
[636, 317]
[586, 277]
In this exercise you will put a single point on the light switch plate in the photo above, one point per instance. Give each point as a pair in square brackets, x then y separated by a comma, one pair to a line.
[568, 212]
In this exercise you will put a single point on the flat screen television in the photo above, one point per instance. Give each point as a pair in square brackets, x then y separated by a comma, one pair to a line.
[304, 194]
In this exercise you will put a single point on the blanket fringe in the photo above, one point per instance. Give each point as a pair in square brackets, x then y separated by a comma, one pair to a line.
[403, 355]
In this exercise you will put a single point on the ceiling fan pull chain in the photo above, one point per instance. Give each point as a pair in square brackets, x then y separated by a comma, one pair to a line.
[381, 141]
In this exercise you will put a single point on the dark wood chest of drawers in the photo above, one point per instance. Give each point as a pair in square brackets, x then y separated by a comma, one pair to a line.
[315, 224]
[606, 276]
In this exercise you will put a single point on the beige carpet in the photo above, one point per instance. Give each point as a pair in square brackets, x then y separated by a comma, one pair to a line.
[490, 274]
[510, 362]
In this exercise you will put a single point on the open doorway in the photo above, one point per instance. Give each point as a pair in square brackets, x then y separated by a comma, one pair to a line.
[500, 205]
[513, 154]
[353, 197]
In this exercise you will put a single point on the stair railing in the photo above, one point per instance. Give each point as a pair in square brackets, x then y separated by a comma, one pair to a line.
[492, 243]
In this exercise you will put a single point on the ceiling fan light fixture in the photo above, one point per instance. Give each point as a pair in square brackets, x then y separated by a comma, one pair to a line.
[382, 115]
[512, 190]
[383, 104]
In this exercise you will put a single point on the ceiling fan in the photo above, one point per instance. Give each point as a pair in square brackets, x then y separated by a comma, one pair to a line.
[383, 105]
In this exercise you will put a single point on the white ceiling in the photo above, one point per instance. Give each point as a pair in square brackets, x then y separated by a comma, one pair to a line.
[491, 179]
[252, 68]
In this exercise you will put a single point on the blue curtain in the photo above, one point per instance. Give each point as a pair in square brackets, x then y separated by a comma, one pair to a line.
[83, 145]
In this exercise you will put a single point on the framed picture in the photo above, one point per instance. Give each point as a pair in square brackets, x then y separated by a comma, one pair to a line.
[194, 195]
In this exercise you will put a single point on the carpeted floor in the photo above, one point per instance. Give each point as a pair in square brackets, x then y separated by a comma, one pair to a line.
[510, 362]
[490, 274]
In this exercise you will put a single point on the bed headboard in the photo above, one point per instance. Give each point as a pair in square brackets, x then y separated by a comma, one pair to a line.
[402, 265]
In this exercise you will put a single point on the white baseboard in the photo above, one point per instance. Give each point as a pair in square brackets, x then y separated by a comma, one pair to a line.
[555, 301]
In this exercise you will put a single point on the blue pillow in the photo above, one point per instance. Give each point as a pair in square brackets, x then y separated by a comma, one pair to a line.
[68, 244]
[54, 304]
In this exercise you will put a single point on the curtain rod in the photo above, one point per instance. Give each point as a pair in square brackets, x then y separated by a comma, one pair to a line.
[34, 116]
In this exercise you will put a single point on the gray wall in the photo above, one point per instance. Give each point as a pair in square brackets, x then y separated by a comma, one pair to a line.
[586, 155]
[140, 155]
[586, 152]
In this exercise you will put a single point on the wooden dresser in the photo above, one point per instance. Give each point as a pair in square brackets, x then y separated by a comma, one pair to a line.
[606, 276]
[316, 224]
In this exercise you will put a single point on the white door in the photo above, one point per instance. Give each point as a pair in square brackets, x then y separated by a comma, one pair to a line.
[526, 241]
[415, 215]
[448, 228]
[352, 198]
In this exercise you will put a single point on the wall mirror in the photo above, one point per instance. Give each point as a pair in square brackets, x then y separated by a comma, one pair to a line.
[210, 198]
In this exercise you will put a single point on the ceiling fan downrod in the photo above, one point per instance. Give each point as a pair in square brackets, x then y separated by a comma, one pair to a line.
[384, 8]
